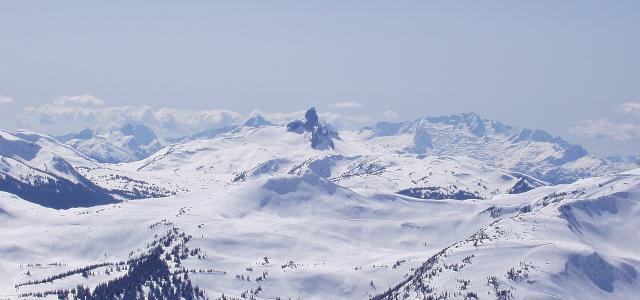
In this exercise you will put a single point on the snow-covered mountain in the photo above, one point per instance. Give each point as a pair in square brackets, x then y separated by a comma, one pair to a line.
[129, 143]
[248, 153]
[254, 121]
[530, 151]
[290, 236]
[566, 242]
[41, 170]
[301, 211]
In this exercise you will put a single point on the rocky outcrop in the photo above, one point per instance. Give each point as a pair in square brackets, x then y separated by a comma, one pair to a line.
[321, 134]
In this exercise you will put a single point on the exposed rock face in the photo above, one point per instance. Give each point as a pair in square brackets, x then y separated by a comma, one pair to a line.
[321, 134]
[311, 118]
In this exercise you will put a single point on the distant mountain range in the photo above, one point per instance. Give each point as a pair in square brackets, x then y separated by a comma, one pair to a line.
[401, 157]
[531, 151]
[453, 207]
[130, 143]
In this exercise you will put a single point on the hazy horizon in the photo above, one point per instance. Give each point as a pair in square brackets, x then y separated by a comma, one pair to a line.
[570, 68]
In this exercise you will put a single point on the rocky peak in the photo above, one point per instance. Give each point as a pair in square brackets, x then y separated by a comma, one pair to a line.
[321, 134]
[311, 118]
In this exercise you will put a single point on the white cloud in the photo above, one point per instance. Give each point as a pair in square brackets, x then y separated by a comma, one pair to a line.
[170, 118]
[6, 100]
[342, 121]
[84, 100]
[632, 108]
[281, 117]
[602, 128]
[71, 113]
[347, 104]
[390, 115]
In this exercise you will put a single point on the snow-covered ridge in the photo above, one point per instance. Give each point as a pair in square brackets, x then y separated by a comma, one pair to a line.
[41, 170]
[530, 151]
[569, 242]
[458, 157]
[38, 168]
[130, 143]
[249, 153]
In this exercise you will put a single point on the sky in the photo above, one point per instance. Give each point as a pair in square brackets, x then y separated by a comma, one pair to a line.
[569, 67]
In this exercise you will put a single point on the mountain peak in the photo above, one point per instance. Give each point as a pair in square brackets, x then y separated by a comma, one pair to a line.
[472, 121]
[141, 133]
[257, 121]
[311, 118]
[538, 153]
[85, 134]
[320, 131]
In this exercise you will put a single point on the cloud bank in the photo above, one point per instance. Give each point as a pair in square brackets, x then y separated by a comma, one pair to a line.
[604, 128]
[631, 108]
[6, 100]
[72, 113]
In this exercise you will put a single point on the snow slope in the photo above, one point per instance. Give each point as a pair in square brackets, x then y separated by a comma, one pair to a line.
[306, 237]
[41, 170]
[529, 151]
[570, 242]
[248, 153]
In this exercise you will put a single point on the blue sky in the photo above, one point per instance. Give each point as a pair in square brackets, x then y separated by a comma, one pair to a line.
[569, 67]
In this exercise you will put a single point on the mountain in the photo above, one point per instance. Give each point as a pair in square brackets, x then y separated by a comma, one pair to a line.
[209, 134]
[303, 236]
[253, 122]
[257, 121]
[321, 134]
[248, 153]
[129, 143]
[40, 170]
[530, 151]
[301, 211]
[569, 242]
